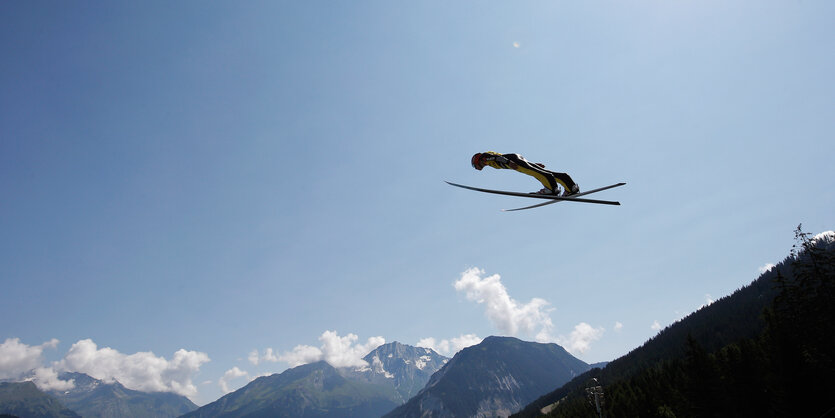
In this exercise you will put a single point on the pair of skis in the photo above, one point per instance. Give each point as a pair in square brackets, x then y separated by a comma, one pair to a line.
[551, 198]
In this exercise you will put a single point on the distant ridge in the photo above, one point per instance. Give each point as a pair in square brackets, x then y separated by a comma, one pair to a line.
[494, 378]
[90, 398]
[93, 398]
[394, 373]
[25, 400]
[311, 390]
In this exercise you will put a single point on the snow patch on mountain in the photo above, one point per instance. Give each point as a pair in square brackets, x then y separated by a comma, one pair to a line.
[379, 368]
[421, 362]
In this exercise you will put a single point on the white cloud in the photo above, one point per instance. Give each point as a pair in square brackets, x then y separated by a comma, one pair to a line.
[22, 361]
[465, 340]
[517, 319]
[301, 354]
[230, 374]
[46, 378]
[337, 351]
[826, 236]
[656, 326]
[342, 351]
[141, 371]
[18, 359]
[708, 301]
[581, 338]
[618, 326]
[450, 347]
[766, 268]
[268, 355]
[508, 315]
[440, 347]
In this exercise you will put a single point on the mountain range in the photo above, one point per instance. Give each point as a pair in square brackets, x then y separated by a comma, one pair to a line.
[89, 397]
[495, 378]
[310, 390]
[394, 372]
[96, 399]
[24, 399]
[752, 353]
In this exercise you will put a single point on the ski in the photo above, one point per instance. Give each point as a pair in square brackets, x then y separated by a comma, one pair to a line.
[556, 201]
[552, 198]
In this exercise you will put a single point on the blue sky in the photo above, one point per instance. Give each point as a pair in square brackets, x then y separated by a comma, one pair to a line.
[185, 183]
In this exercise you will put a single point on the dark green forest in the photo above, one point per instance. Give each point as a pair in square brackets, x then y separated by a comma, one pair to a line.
[765, 351]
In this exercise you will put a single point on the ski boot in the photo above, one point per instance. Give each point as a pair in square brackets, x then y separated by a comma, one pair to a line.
[548, 191]
[574, 190]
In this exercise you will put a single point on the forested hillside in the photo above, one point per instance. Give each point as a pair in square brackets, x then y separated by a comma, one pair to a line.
[766, 350]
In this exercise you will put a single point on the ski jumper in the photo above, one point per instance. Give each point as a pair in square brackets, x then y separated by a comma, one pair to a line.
[549, 179]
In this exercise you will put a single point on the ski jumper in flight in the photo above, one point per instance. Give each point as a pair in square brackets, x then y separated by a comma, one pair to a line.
[550, 179]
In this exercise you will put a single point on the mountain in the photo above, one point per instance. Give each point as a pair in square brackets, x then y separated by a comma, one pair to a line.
[494, 378]
[753, 353]
[26, 400]
[405, 368]
[96, 399]
[395, 372]
[312, 390]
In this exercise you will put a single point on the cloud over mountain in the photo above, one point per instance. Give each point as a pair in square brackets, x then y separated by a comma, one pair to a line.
[451, 346]
[17, 359]
[336, 350]
[517, 319]
[143, 371]
[46, 378]
[230, 374]
[580, 338]
[508, 315]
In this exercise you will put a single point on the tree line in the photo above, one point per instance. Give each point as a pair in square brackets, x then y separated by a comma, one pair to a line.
[765, 351]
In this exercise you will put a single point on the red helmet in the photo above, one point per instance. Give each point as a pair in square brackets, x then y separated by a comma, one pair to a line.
[476, 161]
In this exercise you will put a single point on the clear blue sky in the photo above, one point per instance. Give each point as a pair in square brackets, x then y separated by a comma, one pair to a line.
[223, 177]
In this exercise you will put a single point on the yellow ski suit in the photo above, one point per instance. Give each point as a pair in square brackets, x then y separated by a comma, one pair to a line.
[549, 179]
